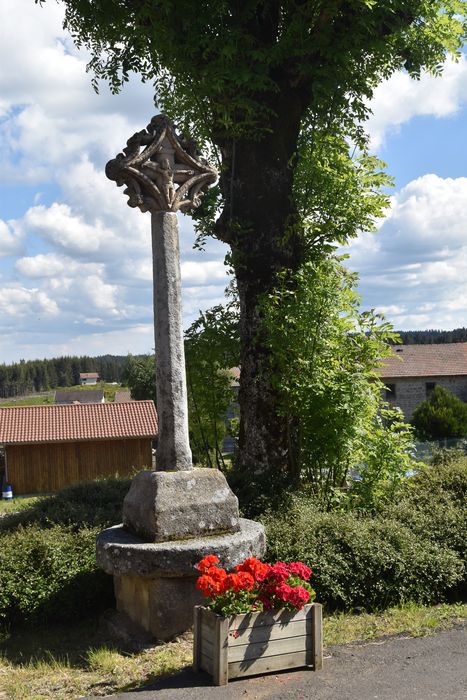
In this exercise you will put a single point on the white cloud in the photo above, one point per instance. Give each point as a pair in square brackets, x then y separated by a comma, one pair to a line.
[57, 225]
[50, 114]
[53, 265]
[204, 272]
[21, 302]
[10, 240]
[418, 259]
[400, 98]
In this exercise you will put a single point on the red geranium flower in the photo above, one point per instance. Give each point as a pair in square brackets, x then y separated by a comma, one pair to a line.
[283, 592]
[255, 567]
[298, 597]
[253, 585]
[239, 582]
[279, 572]
[208, 586]
[207, 562]
[300, 569]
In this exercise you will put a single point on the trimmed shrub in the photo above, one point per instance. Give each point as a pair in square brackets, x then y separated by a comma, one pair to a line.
[362, 562]
[48, 567]
[87, 504]
[50, 575]
[433, 506]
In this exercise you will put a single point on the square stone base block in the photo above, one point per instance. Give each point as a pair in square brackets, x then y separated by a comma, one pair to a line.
[162, 606]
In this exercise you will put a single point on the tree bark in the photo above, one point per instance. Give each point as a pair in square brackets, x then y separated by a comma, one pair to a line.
[260, 223]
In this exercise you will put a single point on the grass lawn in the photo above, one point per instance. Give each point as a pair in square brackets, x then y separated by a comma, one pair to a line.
[16, 504]
[40, 400]
[63, 663]
[49, 397]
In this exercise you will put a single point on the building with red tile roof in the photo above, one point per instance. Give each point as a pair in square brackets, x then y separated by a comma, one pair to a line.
[48, 447]
[88, 377]
[413, 371]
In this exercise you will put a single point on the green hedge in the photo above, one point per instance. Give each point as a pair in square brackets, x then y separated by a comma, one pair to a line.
[362, 562]
[50, 575]
[48, 570]
[434, 507]
[414, 550]
[90, 504]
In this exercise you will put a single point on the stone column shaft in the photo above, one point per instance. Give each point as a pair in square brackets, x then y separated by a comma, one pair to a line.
[173, 450]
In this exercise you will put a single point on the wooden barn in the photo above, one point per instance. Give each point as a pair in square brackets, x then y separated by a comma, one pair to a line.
[48, 447]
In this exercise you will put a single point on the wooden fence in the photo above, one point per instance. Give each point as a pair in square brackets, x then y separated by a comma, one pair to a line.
[50, 467]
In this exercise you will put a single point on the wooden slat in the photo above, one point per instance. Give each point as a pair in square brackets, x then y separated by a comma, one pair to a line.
[206, 632]
[205, 663]
[208, 618]
[238, 669]
[208, 647]
[265, 619]
[265, 649]
[197, 638]
[263, 634]
[219, 662]
[317, 632]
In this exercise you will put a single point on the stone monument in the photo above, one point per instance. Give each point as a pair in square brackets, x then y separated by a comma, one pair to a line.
[176, 515]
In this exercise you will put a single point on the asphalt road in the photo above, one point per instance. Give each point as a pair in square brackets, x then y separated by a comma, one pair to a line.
[393, 669]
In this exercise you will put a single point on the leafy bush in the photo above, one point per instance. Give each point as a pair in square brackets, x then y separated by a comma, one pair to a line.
[387, 457]
[50, 574]
[90, 503]
[433, 505]
[362, 562]
[47, 554]
[325, 350]
[443, 415]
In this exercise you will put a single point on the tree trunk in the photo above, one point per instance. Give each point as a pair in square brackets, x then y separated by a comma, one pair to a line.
[260, 223]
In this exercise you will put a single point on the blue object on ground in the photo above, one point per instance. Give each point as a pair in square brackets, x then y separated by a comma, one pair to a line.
[7, 492]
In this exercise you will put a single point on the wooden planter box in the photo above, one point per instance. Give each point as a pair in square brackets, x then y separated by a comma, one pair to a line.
[246, 645]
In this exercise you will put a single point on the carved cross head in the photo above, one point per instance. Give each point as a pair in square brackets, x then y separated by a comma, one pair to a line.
[160, 170]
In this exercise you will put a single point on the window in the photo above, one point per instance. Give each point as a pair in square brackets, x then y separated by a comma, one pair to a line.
[429, 387]
[390, 394]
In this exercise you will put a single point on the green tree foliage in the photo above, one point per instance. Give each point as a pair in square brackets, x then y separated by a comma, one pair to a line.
[325, 353]
[278, 90]
[211, 349]
[386, 460]
[443, 415]
[140, 376]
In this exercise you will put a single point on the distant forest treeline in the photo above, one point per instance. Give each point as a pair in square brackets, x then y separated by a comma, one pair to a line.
[30, 376]
[458, 335]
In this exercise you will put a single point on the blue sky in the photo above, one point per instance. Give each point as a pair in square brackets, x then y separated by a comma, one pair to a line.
[75, 264]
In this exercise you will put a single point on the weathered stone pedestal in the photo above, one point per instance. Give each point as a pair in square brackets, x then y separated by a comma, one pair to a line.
[155, 582]
[171, 520]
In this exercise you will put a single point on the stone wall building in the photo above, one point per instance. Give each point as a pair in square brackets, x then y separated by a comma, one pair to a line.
[411, 374]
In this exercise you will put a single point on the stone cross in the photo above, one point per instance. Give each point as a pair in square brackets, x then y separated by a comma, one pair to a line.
[163, 175]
